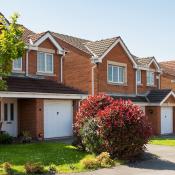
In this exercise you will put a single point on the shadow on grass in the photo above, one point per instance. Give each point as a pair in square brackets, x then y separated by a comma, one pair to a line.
[153, 162]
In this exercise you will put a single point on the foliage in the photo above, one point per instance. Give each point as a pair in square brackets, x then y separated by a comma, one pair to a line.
[121, 127]
[8, 168]
[89, 109]
[5, 138]
[26, 137]
[52, 168]
[11, 45]
[90, 138]
[90, 163]
[105, 160]
[34, 168]
[101, 161]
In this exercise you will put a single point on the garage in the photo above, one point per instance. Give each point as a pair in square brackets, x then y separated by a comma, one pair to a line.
[58, 118]
[166, 120]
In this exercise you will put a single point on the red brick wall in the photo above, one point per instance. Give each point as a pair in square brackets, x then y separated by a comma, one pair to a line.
[166, 82]
[117, 54]
[154, 117]
[30, 115]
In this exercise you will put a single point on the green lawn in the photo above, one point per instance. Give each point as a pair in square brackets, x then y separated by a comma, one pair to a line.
[168, 141]
[66, 157]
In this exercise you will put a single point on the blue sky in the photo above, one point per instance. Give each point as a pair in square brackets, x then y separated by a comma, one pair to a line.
[146, 26]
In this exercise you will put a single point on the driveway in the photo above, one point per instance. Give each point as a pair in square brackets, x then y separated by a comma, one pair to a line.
[162, 164]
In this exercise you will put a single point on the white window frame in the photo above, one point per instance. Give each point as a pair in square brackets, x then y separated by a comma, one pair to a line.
[45, 63]
[150, 81]
[118, 68]
[17, 69]
[139, 82]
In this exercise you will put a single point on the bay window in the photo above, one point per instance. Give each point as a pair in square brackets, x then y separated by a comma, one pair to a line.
[44, 62]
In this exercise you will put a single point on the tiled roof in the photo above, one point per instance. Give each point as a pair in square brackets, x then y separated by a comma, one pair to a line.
[132, 98]
[99, 47]
[26, 84]
[36, 36]
[156, 96]
[143, 62]
[74, 41]
[168, 67]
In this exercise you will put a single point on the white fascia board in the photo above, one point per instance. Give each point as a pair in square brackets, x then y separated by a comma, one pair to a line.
[155, 62]
[171, 93]
[125, 49]
[49, 36]
[41, 95]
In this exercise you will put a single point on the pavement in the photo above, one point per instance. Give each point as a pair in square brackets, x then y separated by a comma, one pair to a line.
[159, 160]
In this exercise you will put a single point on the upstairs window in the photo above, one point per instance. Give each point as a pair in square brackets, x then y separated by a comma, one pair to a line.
[150, 78]
[17, 64]
[116, 74]
[139, 77]
[44, 62]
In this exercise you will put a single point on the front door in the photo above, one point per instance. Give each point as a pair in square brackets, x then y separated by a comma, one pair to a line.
[9, 116]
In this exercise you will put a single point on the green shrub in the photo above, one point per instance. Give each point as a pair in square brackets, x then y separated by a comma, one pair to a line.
[52, 168]
[90, 163]
[8, 168]
[90, 138]
[104, 160]
[34, 168]
[5, 138]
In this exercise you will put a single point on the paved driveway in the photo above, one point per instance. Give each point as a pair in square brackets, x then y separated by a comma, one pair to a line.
[164, 164]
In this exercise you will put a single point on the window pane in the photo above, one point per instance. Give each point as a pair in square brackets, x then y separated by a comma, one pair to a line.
[11, 111]
[121, 74]
[152, 78]
[5, 112]
[115, 74]
[17, 64]
[109, 72]
[138, 76]
[49, 63]
[41, 62]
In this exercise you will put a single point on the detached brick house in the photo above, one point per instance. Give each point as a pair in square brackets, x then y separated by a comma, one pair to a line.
[57, 71]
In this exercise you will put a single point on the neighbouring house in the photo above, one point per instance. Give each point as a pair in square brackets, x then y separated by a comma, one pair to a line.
[107, 66]
[57, 71]
[36, 100]
[168, 75]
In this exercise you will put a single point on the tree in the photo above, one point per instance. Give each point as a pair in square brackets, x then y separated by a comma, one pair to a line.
[11, 46]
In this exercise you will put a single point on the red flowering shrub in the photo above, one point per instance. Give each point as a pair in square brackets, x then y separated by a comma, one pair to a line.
[118, 126]
[124, 129]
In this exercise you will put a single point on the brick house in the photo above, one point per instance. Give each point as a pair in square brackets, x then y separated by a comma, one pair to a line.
[36, 99]
[107, 66]
[168, 75]
[57, 71]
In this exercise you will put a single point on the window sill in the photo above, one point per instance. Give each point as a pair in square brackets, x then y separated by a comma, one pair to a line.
[139, 84]
[118, 84]
[148, 85]
[18, 71]
[45, 74]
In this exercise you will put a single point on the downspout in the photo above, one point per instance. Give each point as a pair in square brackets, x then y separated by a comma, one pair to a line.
[27, 63]
[136, 83]
[62, 66]
[93, 87]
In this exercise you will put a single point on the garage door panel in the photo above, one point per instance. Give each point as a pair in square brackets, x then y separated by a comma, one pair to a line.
[166, 120]
[58, 118]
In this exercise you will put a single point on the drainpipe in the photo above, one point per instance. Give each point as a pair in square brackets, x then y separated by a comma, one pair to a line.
[93, 68]
[27, 62]
[136, 82]
[62, 66]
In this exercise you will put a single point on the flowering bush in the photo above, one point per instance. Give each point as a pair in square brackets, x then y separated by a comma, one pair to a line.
[118, 126]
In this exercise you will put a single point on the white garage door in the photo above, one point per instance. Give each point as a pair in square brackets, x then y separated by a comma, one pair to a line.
[166, 120]
[58, 118]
